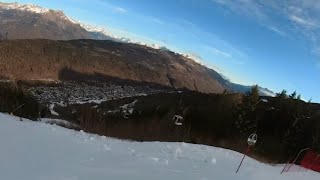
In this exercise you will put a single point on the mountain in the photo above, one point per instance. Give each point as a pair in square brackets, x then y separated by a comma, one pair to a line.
[102, 60]
[28, 21]
[18, 21]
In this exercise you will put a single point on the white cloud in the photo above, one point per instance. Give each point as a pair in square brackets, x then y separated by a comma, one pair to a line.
[119, 10]
[156, 20]
[302, 17]
[234, 56]
[278, 31]
[301, 21]
[220, 53]
[195, 56]
[114, 8]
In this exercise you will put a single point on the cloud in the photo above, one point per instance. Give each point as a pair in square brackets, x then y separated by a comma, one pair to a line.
[119, 10]
[194, 56]
[136, 38]
[220, 53]
[233, 56]
[114, 8]
[155, 20]
[210, 41]
[302, 17]
[276, 30]
[303, 22]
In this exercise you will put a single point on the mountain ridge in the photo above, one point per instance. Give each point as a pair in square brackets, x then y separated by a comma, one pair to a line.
[34, 22]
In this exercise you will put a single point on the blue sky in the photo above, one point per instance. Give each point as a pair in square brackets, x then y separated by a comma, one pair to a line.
[273, 43]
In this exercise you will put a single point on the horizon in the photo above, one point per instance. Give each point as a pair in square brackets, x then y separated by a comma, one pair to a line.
[273, 44]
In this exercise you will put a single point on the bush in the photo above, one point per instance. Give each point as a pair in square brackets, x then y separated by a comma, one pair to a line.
[16, 101]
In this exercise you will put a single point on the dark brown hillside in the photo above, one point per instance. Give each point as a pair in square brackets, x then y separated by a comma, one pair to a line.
[45, 59]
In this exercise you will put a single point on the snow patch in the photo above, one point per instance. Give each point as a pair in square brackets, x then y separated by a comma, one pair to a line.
[60, 122]
[51, 108]
[24, 7]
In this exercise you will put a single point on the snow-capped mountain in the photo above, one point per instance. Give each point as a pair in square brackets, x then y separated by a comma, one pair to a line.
[51, 16]
[35, 9]
[33, 22]
[24, 7]
[38, 21]
[27, 21]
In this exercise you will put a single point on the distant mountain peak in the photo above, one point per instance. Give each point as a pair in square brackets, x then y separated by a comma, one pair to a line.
[95, 31]
[25, 7]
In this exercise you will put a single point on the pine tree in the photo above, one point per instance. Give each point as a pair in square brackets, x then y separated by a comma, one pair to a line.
[299, 97]
[225, 91]
[294, 138]
[252, 98]
[246, 119]
[293, 95]
[282, 95]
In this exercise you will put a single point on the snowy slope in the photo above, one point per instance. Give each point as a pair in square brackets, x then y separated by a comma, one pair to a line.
[38, 151]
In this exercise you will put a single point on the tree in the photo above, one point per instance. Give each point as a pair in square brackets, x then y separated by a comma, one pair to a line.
[282, 95]
[316, 133]
[293, 95]
[252, 98]
[225, 91]
[299, 97]
[246, 119]
[295, 136]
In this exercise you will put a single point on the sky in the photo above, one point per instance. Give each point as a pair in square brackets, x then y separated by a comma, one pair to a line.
[272, 43]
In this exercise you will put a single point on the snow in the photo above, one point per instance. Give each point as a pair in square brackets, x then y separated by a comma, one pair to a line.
[60, 122]
[51, 108]
[92, 101]
[126, 109]
[25, 7]
[129, 107]
[267, 93]
[37, 151]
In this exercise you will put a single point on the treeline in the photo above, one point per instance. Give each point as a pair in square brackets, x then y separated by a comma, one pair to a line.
[15, 100]
[284, 124]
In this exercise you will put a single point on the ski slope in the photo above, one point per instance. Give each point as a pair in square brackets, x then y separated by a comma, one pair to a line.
[39, 151]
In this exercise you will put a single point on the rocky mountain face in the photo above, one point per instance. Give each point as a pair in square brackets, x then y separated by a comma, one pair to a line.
[33, 22]
[88, 59]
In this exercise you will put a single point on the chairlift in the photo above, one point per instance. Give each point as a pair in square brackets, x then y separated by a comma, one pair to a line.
[252, 139]
[126, 115]
[178, 120]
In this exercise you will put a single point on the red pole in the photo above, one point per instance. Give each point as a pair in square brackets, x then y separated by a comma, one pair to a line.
[244, 155]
